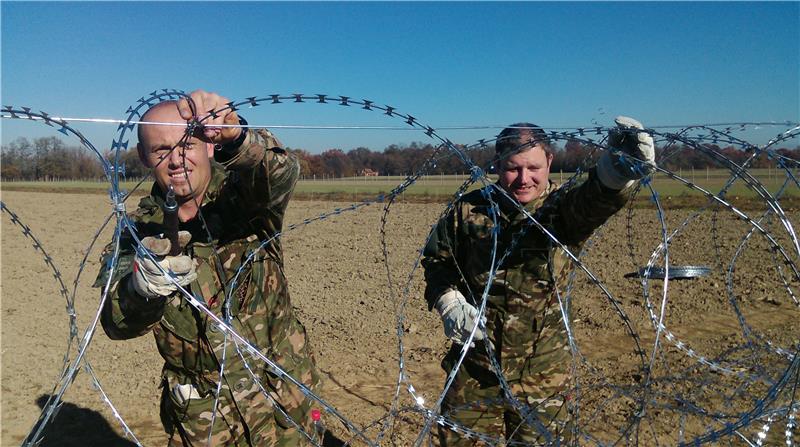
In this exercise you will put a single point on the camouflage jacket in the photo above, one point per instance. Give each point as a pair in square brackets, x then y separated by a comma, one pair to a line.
[244, 205]
[523, 317]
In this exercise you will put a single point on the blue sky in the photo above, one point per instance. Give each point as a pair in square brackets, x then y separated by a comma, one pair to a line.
[554, 64]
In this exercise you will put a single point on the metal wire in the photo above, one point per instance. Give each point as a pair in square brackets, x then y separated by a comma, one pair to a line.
[765, 394]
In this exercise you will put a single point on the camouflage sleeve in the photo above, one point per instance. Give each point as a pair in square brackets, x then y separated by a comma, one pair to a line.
[441, 272]
[250, 153]
[581, 210]
[267, 175]
[125, 314]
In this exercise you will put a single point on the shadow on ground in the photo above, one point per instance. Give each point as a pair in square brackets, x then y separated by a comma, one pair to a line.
[330, 440]
[76, 426]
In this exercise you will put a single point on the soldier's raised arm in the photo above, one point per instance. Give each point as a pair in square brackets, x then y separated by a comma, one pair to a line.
[581, 210]
[266, 173]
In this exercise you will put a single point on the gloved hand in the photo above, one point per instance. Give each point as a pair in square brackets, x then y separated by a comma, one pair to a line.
[612, 170]
[458, 317]
[148, 281]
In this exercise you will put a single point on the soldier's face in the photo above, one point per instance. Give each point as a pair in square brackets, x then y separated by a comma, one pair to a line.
[187, 167]
[525, 175]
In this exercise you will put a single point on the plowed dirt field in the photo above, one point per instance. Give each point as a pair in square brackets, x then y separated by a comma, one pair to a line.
[348, 301]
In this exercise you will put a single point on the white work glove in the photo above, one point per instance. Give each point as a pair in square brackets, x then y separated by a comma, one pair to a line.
[184, 392]
[612, 170]
[148, 281]
[458, 317]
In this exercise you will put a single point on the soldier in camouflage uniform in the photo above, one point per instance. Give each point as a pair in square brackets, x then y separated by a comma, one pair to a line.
[232, 185]
[523, 320]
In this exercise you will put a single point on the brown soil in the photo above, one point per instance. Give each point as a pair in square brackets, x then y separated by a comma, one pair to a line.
[340, 288]
[681, 201]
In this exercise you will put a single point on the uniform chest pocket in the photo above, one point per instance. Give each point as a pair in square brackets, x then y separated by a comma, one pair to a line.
[221, 269]
[535, 262]
[480, 233]
[179, 320]
[475, 252]
[528, 271]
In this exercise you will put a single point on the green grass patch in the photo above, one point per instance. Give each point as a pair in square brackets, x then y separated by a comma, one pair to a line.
[73, 187]
[712, 181]
[442, 187]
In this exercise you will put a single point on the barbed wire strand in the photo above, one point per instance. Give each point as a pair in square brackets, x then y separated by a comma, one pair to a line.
[758, 408]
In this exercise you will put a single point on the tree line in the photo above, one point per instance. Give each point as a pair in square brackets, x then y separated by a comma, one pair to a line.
[49, 158]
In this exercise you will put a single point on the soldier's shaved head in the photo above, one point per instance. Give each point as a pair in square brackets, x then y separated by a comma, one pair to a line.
[176, 159]
[164, 112]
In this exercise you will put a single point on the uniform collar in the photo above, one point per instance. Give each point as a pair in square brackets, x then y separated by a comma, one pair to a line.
[509, 208]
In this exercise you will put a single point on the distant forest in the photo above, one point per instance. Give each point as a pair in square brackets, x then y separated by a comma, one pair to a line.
[50, 159]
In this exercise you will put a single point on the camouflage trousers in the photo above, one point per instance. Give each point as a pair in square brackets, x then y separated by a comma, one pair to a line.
[243, 417]
[476, 401]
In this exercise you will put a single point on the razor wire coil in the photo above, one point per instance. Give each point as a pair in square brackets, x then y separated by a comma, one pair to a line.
[764, 409]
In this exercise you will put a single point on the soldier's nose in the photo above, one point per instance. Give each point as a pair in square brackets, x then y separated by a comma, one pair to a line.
[176, 157]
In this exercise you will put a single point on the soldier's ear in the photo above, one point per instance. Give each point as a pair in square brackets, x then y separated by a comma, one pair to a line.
[210, 150]
[142, 155]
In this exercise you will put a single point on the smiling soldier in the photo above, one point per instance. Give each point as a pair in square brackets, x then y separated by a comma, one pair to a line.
[523, 320]
[232, 186]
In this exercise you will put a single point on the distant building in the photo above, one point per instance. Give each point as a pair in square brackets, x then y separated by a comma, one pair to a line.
[367, 172]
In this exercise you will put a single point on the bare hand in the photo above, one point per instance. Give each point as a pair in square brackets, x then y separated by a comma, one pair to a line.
[207, 108]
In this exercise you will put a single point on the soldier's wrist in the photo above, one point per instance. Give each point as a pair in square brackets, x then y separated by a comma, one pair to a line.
[139, 300]
[232, 147]
[609, 175]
